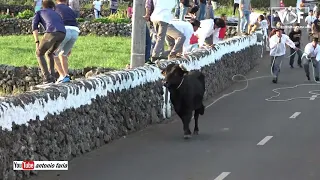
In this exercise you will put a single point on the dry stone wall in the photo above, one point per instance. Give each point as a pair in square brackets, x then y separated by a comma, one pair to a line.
[63, 121]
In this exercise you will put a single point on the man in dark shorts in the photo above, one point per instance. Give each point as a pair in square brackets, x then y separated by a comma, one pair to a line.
[54, 35]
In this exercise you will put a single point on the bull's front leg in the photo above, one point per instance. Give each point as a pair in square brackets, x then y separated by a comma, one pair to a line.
[186, 118]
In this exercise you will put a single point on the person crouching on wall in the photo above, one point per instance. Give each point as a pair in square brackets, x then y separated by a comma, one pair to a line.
[55, 33]
[72, 34]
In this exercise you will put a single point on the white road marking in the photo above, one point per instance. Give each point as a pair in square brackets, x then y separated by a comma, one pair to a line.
[222, 176]
[294, 115]
[313, 97]
[264, 140]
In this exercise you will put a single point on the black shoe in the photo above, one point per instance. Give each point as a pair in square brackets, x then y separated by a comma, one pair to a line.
[308, 77]
[275, 80]
[300, 65]
[317, 78]
[291, 66]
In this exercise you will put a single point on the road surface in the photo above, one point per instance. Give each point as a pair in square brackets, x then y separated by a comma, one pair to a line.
[242, 137]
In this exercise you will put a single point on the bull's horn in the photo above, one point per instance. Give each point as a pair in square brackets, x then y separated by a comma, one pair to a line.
[182, 67]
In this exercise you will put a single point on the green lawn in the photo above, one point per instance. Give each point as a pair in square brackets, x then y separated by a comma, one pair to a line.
[88, 51]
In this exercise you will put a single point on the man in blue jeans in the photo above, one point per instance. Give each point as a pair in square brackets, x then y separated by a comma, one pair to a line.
[245, 11]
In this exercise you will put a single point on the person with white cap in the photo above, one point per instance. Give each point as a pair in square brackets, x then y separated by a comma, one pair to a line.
[278, 44]
[312, 51]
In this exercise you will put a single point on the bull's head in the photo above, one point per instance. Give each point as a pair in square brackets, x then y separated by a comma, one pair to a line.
[173, 75]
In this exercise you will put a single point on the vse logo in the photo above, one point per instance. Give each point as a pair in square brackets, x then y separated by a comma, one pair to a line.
[289, 15]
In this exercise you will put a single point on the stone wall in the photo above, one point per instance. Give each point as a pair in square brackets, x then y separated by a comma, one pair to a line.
[21, 79]
[63, 121]
[15, 9]
[23, 27]
[14, 26]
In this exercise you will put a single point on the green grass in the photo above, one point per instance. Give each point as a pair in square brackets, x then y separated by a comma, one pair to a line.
[113, 52]
[228, 10]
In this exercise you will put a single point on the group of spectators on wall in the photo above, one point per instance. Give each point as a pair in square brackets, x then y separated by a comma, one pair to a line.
[191, 26]
[98, 5]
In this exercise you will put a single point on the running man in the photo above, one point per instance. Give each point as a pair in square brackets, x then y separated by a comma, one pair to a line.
[312, 51]
[278, 44]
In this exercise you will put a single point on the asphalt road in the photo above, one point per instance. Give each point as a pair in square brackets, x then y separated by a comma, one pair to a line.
[242, 137]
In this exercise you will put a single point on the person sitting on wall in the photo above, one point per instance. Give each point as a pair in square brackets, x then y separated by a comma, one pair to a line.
[208, 32]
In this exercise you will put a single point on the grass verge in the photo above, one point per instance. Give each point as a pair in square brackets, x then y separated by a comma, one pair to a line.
[113, 52]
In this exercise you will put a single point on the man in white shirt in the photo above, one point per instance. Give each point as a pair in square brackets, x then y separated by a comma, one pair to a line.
[97, 6]
[278, 44]
[208, 32]
[309, 20]
[312, 50]
[160, 17]
[179, 41]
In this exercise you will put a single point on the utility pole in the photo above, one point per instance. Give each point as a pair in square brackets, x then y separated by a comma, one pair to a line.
[138, 41]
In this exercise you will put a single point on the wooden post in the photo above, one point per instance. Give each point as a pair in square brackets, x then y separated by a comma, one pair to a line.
[138, 42]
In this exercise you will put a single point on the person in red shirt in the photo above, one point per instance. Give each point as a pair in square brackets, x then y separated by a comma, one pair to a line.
[222, 32]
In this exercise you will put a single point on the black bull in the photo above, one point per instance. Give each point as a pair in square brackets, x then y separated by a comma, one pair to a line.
[186, 94]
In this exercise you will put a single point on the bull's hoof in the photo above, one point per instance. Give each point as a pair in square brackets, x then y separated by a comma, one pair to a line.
[196, 132]
[188, 136]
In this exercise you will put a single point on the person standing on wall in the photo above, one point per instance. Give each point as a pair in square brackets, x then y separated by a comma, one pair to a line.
[278, 44]
[235, 7]
[54, 35]
[75, 6]
[160, 17]
[97, 6]
[72, 33]
[245, 11]
[295, 36]
[312, 50]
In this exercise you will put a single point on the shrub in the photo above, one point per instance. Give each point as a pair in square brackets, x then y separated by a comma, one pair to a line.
[27, 14]
[80, 20]
[119, 17]
[4, 16]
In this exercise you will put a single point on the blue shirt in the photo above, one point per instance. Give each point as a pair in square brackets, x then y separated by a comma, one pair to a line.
[67, 14]
[50, 20]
